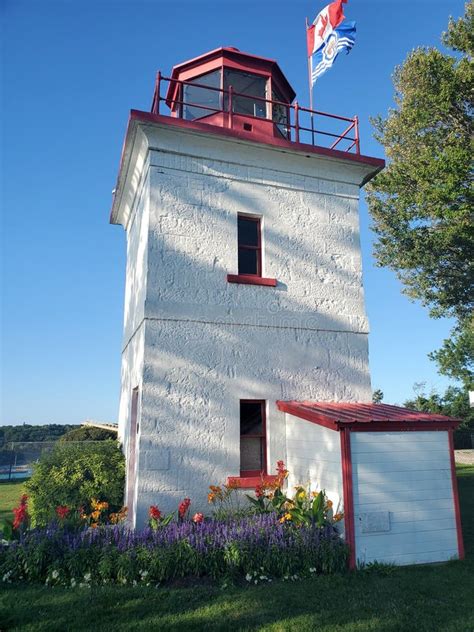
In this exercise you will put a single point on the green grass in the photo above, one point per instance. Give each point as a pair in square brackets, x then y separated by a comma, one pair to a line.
[428, 598]
[9, 497]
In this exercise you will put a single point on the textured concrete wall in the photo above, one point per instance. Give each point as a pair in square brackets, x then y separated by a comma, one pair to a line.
[209, 343]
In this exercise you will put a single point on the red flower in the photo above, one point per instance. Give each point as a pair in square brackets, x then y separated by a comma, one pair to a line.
[21, 512]
[183, 507]
[259, 490]
[62, 511]
[198, 518]
[281, 467]
[154, 513]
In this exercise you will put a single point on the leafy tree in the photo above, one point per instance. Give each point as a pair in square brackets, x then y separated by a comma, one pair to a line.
[377, 396]
[456, 357]
[89, 433]
[422, 203]
[454, 403]
[29, 432]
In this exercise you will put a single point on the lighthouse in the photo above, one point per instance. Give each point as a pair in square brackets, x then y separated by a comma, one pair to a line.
[243, 277]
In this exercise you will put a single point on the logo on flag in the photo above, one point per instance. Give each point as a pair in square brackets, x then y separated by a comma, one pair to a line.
[329, 35]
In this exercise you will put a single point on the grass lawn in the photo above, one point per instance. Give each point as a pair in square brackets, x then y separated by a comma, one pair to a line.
[9, 497]
[416, 599]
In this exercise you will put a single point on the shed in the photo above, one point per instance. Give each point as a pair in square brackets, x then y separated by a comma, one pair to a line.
[390, 469]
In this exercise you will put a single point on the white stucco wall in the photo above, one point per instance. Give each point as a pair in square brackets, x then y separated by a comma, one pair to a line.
[406, 475]
[314, 457]
[208, 343]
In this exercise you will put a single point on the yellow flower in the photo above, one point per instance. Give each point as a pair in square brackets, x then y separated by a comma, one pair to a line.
[95, 514]
[285, 517]
[301, 495]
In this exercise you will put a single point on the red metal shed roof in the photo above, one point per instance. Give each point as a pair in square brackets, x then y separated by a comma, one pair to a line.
[337, 415]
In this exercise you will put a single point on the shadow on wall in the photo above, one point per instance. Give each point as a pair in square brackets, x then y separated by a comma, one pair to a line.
[209, 344]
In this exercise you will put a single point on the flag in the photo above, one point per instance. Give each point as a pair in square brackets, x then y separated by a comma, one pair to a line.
[329, 35]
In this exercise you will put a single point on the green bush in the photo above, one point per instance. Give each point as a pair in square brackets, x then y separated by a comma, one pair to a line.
[74, 473]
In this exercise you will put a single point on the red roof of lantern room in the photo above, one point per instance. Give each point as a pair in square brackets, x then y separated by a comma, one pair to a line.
[229, 57]
[366, 416]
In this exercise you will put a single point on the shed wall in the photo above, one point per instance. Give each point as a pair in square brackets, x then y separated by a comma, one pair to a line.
[314, 456]
[403, 478]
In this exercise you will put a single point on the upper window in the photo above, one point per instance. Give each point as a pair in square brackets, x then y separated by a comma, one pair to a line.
[244, 83]
[249, 245]
[196, 98]
[253, 461]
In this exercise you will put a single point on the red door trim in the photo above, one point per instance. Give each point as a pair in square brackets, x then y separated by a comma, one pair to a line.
[348, 494]
[456, 496]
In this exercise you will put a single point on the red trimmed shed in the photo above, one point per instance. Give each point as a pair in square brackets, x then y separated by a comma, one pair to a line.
[389, 468]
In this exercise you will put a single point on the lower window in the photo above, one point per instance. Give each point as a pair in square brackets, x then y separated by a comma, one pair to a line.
[253, 457]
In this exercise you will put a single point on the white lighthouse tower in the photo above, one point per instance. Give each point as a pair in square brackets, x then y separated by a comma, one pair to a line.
[243, 281]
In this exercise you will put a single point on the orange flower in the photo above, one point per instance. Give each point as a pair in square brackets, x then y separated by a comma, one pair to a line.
[329, 504]
[338, 517]
[233, 484]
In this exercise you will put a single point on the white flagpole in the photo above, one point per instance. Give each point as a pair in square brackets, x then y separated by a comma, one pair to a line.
[310, 85]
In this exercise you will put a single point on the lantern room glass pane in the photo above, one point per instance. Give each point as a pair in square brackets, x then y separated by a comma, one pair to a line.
[246, 84]
[196, 98]
[280, 114]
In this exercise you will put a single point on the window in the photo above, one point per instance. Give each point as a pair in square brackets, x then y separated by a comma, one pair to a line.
[244, 83]
[253, 458]
[196, 98]
[249, 245]
[280, 114]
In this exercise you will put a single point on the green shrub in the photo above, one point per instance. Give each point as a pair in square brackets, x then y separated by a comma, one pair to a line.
[73, 474]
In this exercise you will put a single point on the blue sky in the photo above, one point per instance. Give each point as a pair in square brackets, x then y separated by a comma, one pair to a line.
[71, 72]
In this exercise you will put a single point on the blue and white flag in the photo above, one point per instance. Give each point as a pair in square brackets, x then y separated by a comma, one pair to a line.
[329, 35]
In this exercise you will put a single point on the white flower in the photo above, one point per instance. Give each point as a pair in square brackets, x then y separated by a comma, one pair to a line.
[248, 577]
[87, 577]
[55, 574]
[312, 570]
[73, 582]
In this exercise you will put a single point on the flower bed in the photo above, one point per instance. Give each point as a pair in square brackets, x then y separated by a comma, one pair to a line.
[258, 547]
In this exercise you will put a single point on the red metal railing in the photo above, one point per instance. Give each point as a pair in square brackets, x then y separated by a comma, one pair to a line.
[300, 125]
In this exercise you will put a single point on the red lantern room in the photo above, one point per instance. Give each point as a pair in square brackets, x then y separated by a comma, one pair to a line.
[228, 88]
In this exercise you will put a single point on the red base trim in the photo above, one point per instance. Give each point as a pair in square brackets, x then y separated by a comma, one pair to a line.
[249, 482]
[250, 279]
[456, 497]
[377, 163]
[348, 495]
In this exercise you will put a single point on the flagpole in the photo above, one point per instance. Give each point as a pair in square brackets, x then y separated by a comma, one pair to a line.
[310, 86]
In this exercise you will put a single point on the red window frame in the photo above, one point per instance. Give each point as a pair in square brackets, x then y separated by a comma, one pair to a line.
[258, 247]
[262, 436]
